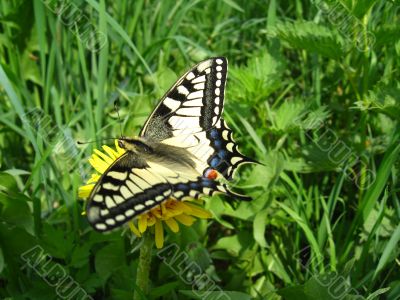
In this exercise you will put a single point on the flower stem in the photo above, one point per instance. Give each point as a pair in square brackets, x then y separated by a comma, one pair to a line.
[143, 269]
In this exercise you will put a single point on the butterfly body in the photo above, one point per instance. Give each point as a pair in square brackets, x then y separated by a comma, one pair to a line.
[182, 149]
[172, 157]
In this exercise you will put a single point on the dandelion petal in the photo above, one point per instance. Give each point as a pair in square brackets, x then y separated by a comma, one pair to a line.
[94, 178]
[151, 219]
[184, 207]
[172, 224]
[159, 234]
[113, 154]
[134, 229]
[185, 219]
[98, 164]
[198, 212]
[106, 158]
[142, 223]
[85, 190]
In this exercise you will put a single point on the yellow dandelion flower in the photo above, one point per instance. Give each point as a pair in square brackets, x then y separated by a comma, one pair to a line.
[171, 212]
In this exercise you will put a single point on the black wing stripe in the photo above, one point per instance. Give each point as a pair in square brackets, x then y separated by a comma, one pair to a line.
[109, 216]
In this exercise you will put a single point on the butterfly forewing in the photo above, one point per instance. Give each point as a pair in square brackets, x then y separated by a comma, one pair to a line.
[125, 190]
[193, 104]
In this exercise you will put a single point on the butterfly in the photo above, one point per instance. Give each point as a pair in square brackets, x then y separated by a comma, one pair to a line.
[183, 147]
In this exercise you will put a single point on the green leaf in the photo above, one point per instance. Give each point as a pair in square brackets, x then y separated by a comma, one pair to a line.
[235, 244]
[294, 293]
[394, 292]
[234, 5]
[381, 178]
[8, 182]
[391, 247]
[259, 227]
[254, 136]
[219, 209]
[164, 289]
[163, 79]
[386, 34]
[119, 294]
[15, 210]
[21, 16]
[57, 241]
[15, 241]
[117, 27]
[306, 229]
[328, 287]
[375, 294]
[311, 37]
[384, 98]
[258, 79]
[285, 117]
[109, 258]
[80, 255]
[200, 255]
[361, 7]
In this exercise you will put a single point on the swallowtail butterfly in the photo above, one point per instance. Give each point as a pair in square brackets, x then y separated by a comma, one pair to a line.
[183, 145]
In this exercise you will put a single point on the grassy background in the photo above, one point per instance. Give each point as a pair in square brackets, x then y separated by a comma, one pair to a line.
[312, 93]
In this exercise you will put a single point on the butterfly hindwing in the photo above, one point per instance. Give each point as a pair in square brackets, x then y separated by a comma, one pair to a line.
[226, 157]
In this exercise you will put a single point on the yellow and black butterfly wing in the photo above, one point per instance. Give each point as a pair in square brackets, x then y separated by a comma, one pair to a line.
[133, 185]
[189, 116]
[225, 157]
[193, 104]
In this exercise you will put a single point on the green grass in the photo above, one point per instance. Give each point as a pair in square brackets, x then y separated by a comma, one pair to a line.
[307, 96]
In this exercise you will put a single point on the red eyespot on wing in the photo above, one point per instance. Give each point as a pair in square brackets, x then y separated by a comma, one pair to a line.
[211, 174]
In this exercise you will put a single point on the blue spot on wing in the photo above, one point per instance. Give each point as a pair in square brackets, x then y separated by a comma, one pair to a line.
[207, 182]
[214, 133]
[218, 143]
[214, 162]
[223, 154]
[182, 187]
[194, 186]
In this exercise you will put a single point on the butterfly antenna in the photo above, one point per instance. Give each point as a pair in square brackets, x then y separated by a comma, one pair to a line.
[94, 141]
[116, 108]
